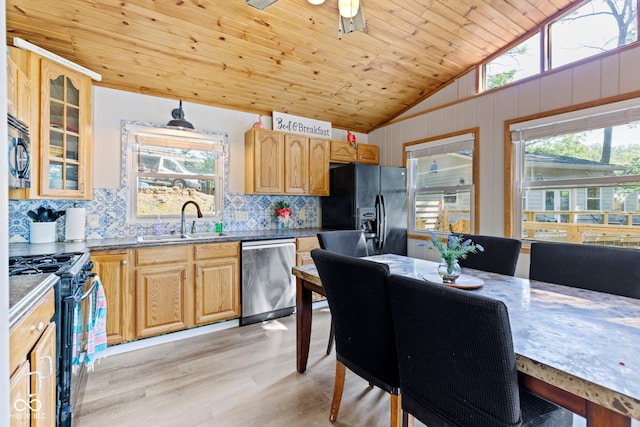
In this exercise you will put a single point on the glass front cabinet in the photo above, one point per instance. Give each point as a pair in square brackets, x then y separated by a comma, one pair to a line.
[65, 133]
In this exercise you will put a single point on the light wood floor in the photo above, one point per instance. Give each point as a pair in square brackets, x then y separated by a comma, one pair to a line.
[243, 376]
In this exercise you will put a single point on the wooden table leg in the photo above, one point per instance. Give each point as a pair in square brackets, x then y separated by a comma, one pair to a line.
[598, 416]
[303, 324]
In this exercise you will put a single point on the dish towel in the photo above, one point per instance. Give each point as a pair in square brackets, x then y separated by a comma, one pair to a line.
[76, 345]
[96, 325]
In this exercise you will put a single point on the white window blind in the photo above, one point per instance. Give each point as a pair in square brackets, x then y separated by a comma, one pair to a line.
[577, 121]
[452, 144]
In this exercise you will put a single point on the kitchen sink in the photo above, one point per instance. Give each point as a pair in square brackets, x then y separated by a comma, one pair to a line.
[178, 237]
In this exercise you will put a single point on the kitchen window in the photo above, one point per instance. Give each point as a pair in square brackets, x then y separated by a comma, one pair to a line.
[577, 176]
[169, 167]
[441, 173]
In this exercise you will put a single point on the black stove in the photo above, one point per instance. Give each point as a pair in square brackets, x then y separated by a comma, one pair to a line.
[36, 264]
[74, 270]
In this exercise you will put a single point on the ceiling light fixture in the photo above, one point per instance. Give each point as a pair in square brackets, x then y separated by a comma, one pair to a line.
[178, 119]
[260, 4]
[351, 17]
[348, 8]
[316, 2]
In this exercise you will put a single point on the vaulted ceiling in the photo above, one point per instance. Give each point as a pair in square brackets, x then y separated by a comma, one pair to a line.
[286, 58]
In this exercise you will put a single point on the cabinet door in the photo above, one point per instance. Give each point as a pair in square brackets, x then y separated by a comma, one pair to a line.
[161, 300]
[368, 153]
[342, 152]
[296, 164]
[19, 399]
[304, 245]
[43, 379]
[318, 167]
[12, 87]
[217, 290]
[113, 269]
[65, 133]
[264, 162]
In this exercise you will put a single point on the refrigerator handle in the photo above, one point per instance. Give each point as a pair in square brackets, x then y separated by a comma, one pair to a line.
[376, 240]
[383, 230]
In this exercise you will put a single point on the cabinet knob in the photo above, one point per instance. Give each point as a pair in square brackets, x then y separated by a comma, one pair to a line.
[124, 262]
[39, 327]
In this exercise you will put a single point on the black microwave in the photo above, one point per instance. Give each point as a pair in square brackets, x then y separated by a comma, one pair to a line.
[19, 154]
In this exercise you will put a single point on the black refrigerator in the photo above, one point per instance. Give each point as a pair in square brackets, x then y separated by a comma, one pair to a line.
[371, 198]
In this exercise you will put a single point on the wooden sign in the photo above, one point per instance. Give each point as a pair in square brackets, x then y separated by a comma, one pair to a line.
[301, 125]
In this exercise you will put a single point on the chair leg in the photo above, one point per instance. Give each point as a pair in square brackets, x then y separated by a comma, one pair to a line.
[330, 343]
[338, 387]
[396, 410]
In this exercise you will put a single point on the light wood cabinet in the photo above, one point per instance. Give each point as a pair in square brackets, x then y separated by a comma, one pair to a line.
[32, 359]
[369, 154]
[318, 167]
[304, 246]
[296, 164]
[113, 269]
[162, 290]
[178, 287]
[342, 152]
[264, 162]
[282, 163]
[56, 103]
[217, 282]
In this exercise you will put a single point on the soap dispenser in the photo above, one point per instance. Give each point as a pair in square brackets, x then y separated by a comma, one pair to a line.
[158, 227]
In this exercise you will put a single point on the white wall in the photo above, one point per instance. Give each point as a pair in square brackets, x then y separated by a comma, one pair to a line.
[607, 76]
[111, 106]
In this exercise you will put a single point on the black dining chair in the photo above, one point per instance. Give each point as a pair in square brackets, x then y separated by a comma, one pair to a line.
[356, 291]
[500, 254]
[597, 268]
[345, 242]
[457, 362]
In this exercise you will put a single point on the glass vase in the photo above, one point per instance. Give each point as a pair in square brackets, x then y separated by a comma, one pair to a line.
[449, 270]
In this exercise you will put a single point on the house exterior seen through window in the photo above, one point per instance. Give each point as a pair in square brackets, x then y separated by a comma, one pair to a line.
[441, 184]
[579, 176]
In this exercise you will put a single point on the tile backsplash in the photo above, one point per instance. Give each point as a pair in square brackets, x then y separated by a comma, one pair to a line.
[107, 215]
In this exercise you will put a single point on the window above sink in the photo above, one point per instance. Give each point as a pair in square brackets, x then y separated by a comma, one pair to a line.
[167, 167]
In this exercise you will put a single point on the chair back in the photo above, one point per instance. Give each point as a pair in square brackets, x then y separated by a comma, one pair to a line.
[456, 357]
[500, 254]
[597, 268]
[344, 242]
[356, 291]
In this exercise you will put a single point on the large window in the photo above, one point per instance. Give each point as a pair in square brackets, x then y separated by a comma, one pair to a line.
[441, 177]
[594, 27]
[170, 167]
[578, 176]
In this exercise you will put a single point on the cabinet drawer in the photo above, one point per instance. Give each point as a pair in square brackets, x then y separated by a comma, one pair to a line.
[217, 250]
[307, 243]
[25, 333]
[162, 255]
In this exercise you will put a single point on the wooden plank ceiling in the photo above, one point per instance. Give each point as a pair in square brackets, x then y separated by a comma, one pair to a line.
[286, 58]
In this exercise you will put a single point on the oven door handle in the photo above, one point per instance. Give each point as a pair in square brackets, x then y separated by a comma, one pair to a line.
[83, 296]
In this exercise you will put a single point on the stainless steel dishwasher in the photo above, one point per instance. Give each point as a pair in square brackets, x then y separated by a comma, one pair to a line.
[268, 287]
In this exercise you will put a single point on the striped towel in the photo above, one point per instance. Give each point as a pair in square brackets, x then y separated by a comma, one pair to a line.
[96, 325]
[76, 345]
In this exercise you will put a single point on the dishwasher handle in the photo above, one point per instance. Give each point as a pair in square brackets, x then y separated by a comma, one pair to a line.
[271, 244]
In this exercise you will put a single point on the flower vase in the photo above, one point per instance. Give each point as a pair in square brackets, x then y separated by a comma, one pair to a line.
[449, 270]
[282, 224]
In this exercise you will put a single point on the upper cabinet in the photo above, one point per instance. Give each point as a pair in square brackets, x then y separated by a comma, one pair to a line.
[65, 134]
[282, 163]
[345, 152]
[55, 102]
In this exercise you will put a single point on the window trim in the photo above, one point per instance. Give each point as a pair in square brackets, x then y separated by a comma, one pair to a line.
[475, 193]
[513, 158]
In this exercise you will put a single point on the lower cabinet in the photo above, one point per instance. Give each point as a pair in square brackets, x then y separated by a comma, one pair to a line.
[115, 274]
[32, 384]
[304, 246]
[178, 287]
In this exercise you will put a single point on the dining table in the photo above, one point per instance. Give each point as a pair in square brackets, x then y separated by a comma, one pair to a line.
[577, 348]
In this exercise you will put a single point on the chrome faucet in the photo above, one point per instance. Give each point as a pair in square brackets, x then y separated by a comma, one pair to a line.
[182, 224]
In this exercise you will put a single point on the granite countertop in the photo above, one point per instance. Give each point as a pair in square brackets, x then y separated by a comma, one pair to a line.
[24, 249]
[25, 291]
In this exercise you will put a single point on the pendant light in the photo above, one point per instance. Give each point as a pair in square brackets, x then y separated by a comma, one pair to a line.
[315, 2]
[348, 8]
[178, 119]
